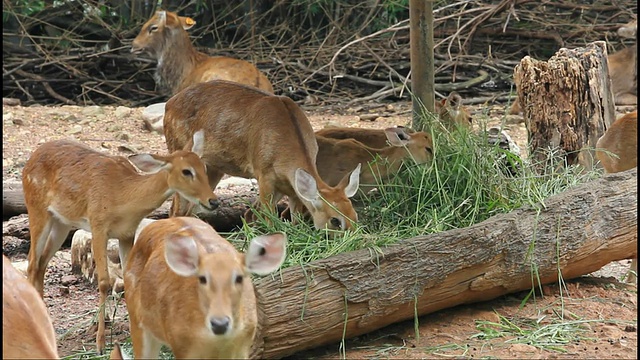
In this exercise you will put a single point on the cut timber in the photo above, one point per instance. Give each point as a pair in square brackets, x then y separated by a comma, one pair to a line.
[567, 102]
[578, 232]
[225, 218]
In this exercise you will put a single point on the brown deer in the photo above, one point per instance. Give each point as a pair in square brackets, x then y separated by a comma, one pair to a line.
[623, 71]
[165, 38]
[27, 331]
[374, 138]
[336, 157]
[452, 113]
[189, 288]
[263, 136]
[617, 151]
[69, 185]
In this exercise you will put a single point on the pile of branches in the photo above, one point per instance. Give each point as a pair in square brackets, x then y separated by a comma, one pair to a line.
[316, 52]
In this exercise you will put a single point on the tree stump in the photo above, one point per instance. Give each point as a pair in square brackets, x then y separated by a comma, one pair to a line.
[567, 103]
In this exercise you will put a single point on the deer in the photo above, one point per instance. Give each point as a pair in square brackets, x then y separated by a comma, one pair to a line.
[623, 71]
[374, 138]
[452, 113]
[164, 37]
[70, 185]
[617, 151]
[382, 162]
[263, 136]
[27, 329]
[189, 288]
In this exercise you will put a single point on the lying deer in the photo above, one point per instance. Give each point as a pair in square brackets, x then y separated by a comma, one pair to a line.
[27, 331]
[69, 185]
[620, 145]
[337, 156]
[374, 138]
[253, 134]
[165, 38]
[189, 288]
[623, 71]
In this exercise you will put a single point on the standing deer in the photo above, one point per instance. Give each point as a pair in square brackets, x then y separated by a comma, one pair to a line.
[189, 288]
[617, 151]
[69, 185]
[253, 134]
[165, 38]
[27, 331]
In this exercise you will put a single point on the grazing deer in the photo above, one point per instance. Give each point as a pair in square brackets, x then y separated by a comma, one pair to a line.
[620, 145]
[165, 38]
[253, 134]
[189, 288]
[336, 157]
[69, 185]
[27, 331]
[452, 113]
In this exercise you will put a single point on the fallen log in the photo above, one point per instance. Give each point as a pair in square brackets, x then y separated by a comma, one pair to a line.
[576, 233]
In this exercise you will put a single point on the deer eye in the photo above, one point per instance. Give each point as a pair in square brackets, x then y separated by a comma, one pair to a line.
[202, 279]
[153, 28]
[187, 173]
[239, 279]
[335, 222]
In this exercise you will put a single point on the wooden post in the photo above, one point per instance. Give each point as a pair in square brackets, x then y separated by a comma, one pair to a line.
[422, 78]
[566, 103]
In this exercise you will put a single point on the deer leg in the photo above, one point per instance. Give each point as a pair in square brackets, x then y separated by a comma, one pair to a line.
[40, 227]
[99, 249]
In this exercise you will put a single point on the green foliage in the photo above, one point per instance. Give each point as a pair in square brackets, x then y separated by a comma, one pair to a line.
[22, 7]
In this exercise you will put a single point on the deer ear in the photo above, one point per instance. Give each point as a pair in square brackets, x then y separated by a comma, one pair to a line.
[266, 253]
[397, 137]
[306, 188]
[351, 188]
[147, 163]
[186, 22]
[181, 254]
[198, 143]
[162, 17]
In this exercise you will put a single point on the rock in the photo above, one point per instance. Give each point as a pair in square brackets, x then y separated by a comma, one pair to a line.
[114, 128]
[522, 349]
[68, 280]
[70, 118]
[122, 112]
[123, 136]
[10, 101]
[92, 110]
[18, 122]
[127, 149]
[368, 117]
[8, 117]
[77, 129]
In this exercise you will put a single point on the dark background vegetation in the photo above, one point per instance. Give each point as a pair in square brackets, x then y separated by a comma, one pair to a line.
[316, 51]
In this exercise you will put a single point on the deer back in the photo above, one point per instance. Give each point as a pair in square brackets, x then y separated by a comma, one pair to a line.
[373, 138]
[337, 157]
[164, 37]
[251, 133]
[191, 289]
[621, 141]
[27, 329]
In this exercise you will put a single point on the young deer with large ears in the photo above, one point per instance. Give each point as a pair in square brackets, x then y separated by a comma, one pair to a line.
[27, 331]
[617, 151]
[189, 288]
[254, 134]
[165, 38]
[69, 185]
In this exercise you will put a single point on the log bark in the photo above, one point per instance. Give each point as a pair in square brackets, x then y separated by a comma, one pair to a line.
[226, 218]
[567, 102]
[576, 233]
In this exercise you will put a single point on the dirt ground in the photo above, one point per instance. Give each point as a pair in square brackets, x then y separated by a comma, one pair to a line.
[602, 311]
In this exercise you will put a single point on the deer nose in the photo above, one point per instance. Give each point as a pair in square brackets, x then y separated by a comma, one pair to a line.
[214, 203]
[220, 325]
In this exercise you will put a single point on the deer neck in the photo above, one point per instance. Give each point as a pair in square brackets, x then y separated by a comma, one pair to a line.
[148, 191]
[176, 61]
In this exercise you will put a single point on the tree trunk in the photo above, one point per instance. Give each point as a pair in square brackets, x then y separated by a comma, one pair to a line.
[358, 292]
[567, 102]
